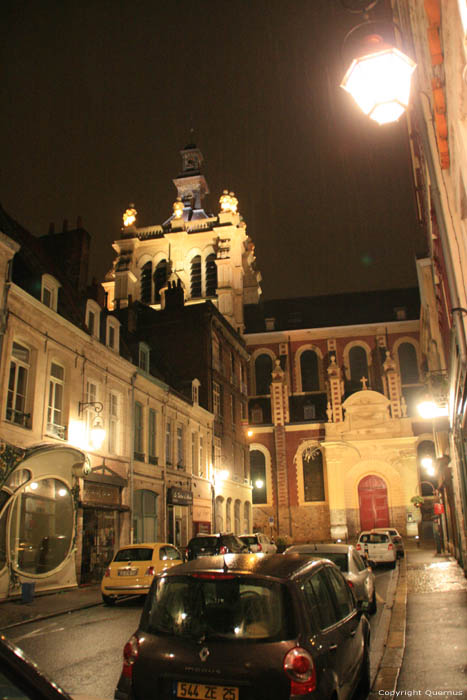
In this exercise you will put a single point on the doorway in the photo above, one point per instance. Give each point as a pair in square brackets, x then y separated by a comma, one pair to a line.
[373, 501]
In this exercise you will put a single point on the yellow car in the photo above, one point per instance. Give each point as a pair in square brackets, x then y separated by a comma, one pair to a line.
[133, 568]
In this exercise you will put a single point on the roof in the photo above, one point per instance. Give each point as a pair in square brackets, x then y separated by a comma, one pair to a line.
[334, 310]
[277, 566]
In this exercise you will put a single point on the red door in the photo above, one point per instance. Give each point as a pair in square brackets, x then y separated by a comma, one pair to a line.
[373, 500]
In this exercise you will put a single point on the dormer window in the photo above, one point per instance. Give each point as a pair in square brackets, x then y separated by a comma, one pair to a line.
[143, 357]
[49, 291]
[93, 311]
[113, 334]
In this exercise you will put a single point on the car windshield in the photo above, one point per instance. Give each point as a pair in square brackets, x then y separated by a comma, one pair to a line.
[337, 558]
[134, 554]
[203, 606]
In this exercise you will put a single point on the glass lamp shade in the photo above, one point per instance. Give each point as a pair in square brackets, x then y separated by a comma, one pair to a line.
[379, 82]
[97, 433]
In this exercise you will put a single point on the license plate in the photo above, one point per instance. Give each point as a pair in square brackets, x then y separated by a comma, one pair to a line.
[127, 572]
[197, 691]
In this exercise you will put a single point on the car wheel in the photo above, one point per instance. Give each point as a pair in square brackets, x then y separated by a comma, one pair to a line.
[108, 600]
[372, 605]
[364, 682]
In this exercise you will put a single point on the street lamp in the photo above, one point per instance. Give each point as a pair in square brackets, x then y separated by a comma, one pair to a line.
[379, 75]
[97, 432]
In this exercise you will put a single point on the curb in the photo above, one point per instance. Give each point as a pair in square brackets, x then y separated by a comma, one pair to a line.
[388, 671]
[47, 616]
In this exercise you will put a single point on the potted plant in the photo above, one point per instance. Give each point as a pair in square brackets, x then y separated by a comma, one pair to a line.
[417, 501]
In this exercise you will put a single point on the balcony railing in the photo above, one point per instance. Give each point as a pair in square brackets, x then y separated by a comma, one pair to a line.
[58, 431]
[18, 417]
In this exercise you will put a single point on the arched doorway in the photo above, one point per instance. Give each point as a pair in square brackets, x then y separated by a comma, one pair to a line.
[373, 501]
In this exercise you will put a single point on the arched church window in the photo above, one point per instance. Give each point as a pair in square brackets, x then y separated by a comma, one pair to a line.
[313, 477]
[160, 279]
[263, 370]
[196, 276]
[408, 363]
[211, 275]
[358, 363]
[258, 476]
[309, 370]
[146, 276]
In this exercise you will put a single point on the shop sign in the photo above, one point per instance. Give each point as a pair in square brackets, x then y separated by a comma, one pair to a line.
[179, 497]
[101, 493]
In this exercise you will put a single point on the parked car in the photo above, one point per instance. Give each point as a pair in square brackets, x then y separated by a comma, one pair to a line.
[356, 570]
[133, 568]
[239, 627]
[259, 542]
[209, 545]
[396, 538]
[378, 547]
[22, 679]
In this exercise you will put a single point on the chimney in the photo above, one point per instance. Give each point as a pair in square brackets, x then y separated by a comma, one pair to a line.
[65, 225]
[51, 228]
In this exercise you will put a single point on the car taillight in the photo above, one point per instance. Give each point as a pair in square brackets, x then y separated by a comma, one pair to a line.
[130, 654]
[349, 583]
[186, 552]
[223, 549]
[260, 548]
[299, 666]
[107, 571]
[390, 545]
[150, 571]
[359, 546]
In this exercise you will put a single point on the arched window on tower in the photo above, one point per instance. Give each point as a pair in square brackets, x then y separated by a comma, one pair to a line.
[408, 364]
[211, 275]
[196, 277]
[146, 278]
[309, 370]
[160, 279]
[358, 363]
[263, 370]
[313, 477]
[258, 476]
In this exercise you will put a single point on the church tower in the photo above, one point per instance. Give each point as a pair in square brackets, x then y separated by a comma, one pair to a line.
[210, 256]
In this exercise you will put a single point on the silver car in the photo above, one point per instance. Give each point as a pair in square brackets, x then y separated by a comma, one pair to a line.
[359, 575]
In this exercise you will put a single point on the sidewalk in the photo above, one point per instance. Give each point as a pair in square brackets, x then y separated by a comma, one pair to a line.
[426, 647]
[47, 605]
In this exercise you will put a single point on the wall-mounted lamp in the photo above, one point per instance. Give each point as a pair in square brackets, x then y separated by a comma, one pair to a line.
[379, 75]
[97, 432]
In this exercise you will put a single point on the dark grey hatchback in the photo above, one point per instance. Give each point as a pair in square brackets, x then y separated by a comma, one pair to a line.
[246, 627]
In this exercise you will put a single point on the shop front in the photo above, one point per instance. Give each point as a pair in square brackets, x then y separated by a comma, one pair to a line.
[202, 506]
[179, 501]
[103, 519]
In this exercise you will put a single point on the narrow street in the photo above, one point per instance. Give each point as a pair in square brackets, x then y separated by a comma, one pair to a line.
[82, 650]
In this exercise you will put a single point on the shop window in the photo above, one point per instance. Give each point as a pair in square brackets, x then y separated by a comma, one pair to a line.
[18, 386]
[146, 281]
[258, 476]
[42, 526]
[160, 279]
[309, 370]
[196, 276]
[211, 275]
[313, 477]
[55, 417]
[145, 516]
[358, 363]
[263, 371]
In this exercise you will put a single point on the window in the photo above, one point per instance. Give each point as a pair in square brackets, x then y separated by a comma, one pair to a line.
[93, 312]
[202, 465]
[309, 370]
[168, 442]
[146, 281]
[113, 423]
[89, 412]
[358, 363]
[309, 411]
[143, 357]
[180, 448]
[144, 518]
[408, 364]
[263, 370]
[196, 276]
[217, 403]
[256, 414]
[49, 291]
[211, 275]
[319, 600]
[313, 478]
[345, 605]
[18, 385]
[232, 368]
[194, 454]
[91, 324]
[160, 279]
[138, 439]
[215, 354]
[55, 420]
[233, 409]
[258, 476]
[152, 436]
[217, 453]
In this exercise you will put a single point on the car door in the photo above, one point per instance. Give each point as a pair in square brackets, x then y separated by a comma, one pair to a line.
[349, 627]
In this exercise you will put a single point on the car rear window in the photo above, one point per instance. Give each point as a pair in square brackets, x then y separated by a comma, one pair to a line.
[203, 542]
[134, 554]
[204, 606]
[374, 538]
[249, 540]
[338, 559]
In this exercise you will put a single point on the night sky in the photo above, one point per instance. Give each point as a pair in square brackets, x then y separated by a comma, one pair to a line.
[99, 96]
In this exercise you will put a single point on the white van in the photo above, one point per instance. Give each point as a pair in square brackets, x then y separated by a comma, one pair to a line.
[379, 547]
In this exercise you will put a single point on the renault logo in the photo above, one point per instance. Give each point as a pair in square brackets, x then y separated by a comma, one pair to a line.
[204, 653]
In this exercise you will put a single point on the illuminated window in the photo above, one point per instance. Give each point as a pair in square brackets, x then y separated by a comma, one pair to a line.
[55, 420]
[258, 476]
